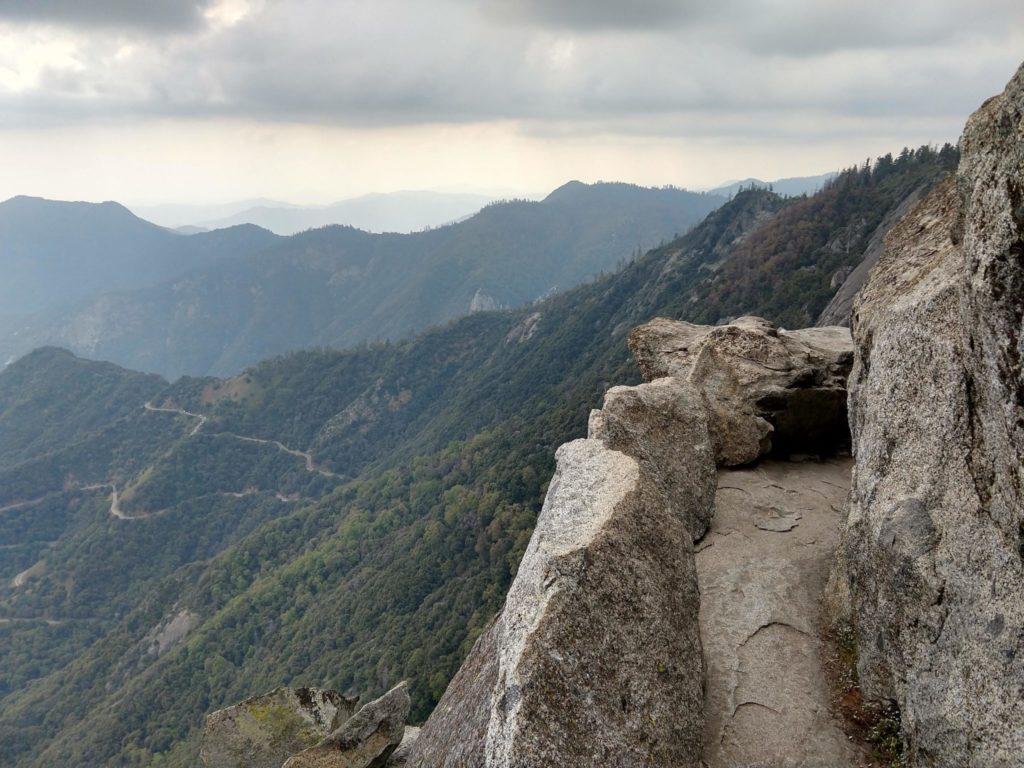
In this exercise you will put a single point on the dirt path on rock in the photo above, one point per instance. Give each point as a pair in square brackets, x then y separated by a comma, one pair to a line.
[762, 569]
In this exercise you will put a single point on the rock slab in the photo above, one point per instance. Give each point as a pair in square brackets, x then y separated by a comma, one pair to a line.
[933, 555]
[767, 701]
[663, 425]
[765, 389]
[595, 658]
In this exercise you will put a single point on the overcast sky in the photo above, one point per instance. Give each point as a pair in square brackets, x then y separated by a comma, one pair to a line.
[316, 100]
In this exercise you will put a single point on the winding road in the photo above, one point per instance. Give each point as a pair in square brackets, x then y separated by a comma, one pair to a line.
[202, 419]
[311, 465]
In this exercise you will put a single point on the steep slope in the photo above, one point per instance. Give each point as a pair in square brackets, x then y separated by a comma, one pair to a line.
[50, 395]
[339, 286]
[444, 443]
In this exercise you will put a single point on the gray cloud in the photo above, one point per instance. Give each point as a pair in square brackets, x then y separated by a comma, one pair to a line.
[582, 15]
[151, 15]
[791, 70]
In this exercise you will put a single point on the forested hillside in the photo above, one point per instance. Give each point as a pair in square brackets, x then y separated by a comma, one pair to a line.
[344, 519]
[339, 286]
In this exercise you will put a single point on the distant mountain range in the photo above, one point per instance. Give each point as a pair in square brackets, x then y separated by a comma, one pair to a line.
[172, 304]
[789, 187]
[404, 212]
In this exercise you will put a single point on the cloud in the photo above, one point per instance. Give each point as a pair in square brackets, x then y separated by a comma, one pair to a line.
[150, 15]
[584, 15]
[782, 67]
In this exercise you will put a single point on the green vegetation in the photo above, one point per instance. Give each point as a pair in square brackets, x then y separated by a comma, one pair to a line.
[444, 445]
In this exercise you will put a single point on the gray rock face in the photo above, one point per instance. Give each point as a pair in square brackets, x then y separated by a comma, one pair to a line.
[595, 659]
[264, 731]
[935, 538]
[763, 388]
[400, 757]
[839, 308]
[664, 427]
[365, 740]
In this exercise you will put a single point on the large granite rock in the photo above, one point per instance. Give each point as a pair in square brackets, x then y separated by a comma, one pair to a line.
[595, 658]
[935, 538]
[663, 425]
[264, 731]
[400, 757]
[365, 740]
[764, 388]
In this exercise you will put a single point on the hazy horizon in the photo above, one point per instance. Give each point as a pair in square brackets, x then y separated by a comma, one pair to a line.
[313, 101]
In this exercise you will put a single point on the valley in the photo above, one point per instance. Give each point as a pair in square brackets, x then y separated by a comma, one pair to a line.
[370, 523]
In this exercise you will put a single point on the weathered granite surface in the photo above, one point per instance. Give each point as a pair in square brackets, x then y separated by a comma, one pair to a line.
[595, 658]
[365, 740]
[934, 547]
[663, 425]
[768, 701]
[764, 388]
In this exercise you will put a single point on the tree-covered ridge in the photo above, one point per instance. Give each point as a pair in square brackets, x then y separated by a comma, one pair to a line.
[340, 286]
[51, 396]
[445, 444]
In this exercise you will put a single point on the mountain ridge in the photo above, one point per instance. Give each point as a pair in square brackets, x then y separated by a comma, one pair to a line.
[338, 286]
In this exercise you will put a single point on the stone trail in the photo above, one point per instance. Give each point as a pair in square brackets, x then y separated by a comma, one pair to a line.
[767, 700]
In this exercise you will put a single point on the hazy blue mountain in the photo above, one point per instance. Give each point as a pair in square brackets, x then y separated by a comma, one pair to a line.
[176, 215]
[338, 286]
[55, 253]
[789, 187]
[391, 212]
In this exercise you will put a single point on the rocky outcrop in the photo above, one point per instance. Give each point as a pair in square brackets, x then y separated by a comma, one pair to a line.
[365, 740]
[764, 389]
[595, 658]
[664, 427]
[264, 731]
[934, 544]
[598, 654]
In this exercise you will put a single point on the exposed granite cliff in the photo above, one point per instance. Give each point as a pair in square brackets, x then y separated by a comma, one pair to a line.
[935, 539]
[596, 657]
